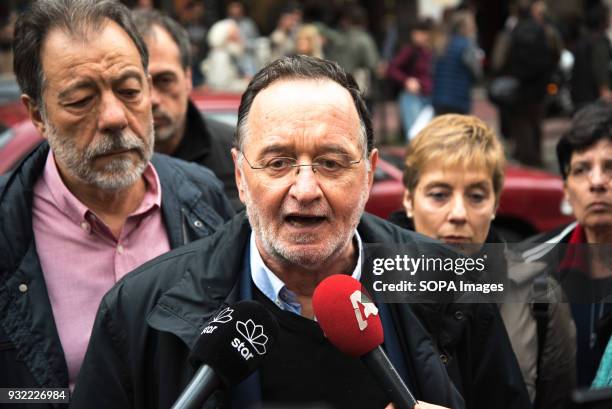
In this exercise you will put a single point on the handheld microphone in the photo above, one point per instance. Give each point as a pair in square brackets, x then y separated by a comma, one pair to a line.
[231, 346]
[350, 321]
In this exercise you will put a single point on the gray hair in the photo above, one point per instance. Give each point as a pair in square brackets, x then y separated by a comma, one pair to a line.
[145, 19]
[304, 67]
[75, 17]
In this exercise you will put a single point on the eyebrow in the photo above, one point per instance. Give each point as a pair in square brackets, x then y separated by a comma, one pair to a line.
[90, 84]
[82, 84]
[276, 148]
[286, 149]
[126, 76]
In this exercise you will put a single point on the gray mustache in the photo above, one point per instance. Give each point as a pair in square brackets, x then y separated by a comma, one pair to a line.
[113, 142]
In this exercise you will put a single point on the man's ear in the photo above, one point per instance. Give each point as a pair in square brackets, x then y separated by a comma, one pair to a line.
[373, 163]
[407, 202]
[238, 174]
[34, 113]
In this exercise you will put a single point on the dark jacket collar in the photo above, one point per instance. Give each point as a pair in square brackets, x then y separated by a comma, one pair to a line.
[196, 140]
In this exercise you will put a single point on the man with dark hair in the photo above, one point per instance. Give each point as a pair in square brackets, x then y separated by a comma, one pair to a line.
[305, 162]
[580, 252]
[93, 202]
[593, 56]
[180, 129]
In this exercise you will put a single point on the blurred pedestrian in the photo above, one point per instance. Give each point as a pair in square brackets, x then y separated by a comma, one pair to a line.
[92, 202]
[411, 69]
[532, 54]
[308, 41]
[593, 59]
[283, 38]
[223, 68]
[180, 129]
[457, 65]
[192, 17]
[354, 48]
[236, 10]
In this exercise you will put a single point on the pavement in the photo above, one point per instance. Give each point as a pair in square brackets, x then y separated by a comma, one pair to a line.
[387, 126]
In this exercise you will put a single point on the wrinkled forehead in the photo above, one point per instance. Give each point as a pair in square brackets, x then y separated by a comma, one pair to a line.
[600, 150]
[304, 112]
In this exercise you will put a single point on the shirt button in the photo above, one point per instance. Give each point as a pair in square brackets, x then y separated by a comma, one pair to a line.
[23, 288]
[85, 226]
[120, 249]
[444, 359]
[279, 303]
[459, 315]
[198, 224]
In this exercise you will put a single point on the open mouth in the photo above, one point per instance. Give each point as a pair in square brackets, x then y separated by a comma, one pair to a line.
[304, 220]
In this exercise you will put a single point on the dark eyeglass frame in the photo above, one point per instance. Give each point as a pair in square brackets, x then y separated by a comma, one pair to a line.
[313, 166]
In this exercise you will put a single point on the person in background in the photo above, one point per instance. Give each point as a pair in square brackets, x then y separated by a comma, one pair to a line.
[531, 56]
[191, 15]
[180, 129]
[454, 177]
[92, 202]
[592, 58]
[283, 38]
[354, 48]
[249, 33]
[579, 253]
[411, 69]
[223, 68]
[305, 162]
[457, 66]
[308, 41]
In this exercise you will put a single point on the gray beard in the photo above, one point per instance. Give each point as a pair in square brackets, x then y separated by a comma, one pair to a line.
[312, 260]
[117, 174]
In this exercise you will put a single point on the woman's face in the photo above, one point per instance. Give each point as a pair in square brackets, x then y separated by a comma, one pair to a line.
[453, 204]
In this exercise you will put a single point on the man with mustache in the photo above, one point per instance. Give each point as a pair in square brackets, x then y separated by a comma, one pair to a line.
[305, 163]
[93, 202]
[180, 129]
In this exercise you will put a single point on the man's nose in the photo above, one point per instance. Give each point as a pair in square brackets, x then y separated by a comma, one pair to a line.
[305, 187]
[112, 113]
[154, 97]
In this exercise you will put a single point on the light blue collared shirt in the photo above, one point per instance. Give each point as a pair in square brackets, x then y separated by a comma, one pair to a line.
[273, 287]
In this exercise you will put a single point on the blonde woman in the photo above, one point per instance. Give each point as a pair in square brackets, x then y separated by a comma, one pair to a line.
[454, 177]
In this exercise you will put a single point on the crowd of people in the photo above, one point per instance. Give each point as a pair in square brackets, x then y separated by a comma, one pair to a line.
[137, 218]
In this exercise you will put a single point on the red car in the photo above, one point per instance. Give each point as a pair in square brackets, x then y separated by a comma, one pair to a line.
[532, 200]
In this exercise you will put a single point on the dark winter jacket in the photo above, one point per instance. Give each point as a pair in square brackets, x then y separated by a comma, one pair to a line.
[474, 343]
[193, 206]
[147, 324]
[591, 313]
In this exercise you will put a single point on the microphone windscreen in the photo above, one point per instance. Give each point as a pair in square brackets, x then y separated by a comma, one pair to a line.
[347, 315]
[235, 341]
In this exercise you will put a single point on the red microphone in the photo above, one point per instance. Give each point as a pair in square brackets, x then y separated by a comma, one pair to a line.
[351, 322]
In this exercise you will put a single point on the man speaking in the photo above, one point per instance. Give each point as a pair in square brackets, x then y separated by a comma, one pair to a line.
[304, 164]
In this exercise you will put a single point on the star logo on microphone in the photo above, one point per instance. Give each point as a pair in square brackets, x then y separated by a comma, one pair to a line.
[253, 334]
[223, 317]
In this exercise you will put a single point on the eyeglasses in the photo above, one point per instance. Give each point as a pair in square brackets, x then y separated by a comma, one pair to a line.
[582, 171]
[278, 170]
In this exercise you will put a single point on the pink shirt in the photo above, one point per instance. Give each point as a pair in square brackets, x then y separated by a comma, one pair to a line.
[81, 259]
